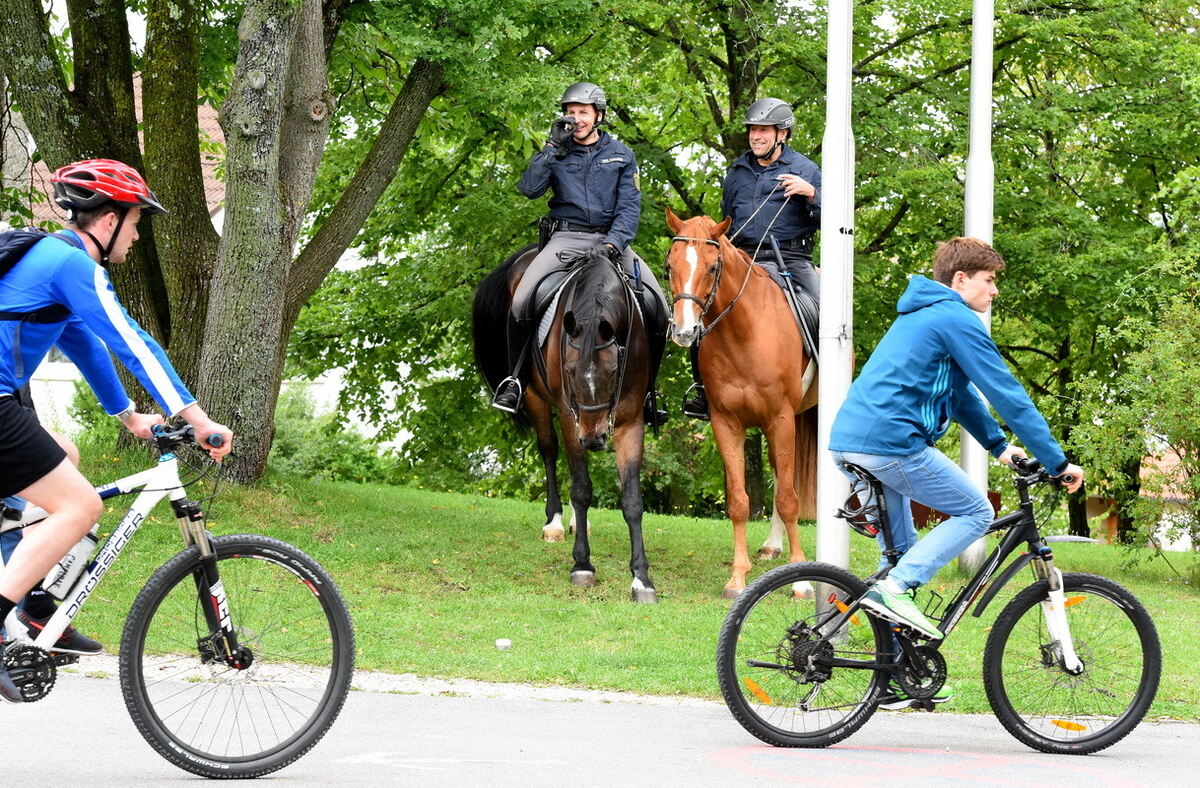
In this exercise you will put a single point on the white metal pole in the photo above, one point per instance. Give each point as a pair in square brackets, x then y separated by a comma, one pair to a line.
[837, 279]
[979, 215]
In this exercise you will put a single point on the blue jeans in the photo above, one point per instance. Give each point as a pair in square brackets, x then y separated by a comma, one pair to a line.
[930, 478]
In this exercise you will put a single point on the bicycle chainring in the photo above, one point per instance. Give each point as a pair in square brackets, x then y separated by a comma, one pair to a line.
[934, 666]
[32, 670]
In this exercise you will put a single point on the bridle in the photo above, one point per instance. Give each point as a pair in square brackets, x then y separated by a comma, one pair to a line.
[572, 403]
[706, 304]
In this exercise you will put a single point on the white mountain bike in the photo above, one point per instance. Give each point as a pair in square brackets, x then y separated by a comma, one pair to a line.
[237, 654]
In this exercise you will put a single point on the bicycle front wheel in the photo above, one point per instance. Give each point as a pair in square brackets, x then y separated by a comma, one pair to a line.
[773, 657]
[1046, 707]
[218, 721]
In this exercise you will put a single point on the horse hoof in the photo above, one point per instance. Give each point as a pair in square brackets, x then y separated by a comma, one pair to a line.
[802, 590]
[730, 593]
[552, 535]
[768, 553]
[644, 596]
[583, 579]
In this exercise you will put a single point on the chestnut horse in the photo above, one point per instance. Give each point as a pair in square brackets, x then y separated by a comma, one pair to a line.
[594, 369]
[755, 373]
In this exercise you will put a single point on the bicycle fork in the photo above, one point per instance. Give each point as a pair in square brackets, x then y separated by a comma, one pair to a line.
[221, 643]
[1054, 610]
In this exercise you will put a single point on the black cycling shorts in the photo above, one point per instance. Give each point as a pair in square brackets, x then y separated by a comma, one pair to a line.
[27, 452]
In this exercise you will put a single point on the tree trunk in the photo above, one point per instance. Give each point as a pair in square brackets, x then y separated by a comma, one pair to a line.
[186, 239]
[249, 284]
[1127, 531]
[755, 484]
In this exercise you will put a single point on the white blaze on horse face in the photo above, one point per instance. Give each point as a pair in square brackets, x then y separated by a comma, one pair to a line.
[691, 310]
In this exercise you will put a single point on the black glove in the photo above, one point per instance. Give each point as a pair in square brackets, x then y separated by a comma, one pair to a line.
[610, 251]
[560, 135]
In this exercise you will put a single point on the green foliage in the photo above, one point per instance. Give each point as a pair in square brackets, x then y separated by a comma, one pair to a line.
[311, 447]
[99, 428]
[1096, 111]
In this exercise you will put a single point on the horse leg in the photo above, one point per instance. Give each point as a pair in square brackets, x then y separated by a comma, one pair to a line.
[781, 447]
[547, 443]
[582, 573]
[731, 438]
[773, 546]
[628, 444]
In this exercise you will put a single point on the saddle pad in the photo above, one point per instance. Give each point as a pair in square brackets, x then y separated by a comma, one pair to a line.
[548, 317]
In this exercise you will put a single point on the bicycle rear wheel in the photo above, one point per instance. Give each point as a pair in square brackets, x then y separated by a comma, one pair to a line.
[1049, 709]
[217, 721]
[768, 656]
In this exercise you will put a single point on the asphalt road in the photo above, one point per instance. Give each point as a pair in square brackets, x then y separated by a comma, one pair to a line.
[462, 733]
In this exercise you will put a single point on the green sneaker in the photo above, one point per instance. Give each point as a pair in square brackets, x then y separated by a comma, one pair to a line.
[896, 698]
[900, 609]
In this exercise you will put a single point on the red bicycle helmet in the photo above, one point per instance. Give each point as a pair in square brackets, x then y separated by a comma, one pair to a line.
[86, 185]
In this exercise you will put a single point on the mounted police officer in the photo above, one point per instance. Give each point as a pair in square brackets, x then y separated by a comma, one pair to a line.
[596, 204]
[773, 194]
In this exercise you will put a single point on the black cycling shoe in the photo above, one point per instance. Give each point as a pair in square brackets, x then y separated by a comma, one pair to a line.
[8, 691]
[697, 406]
[72, 641]
[652, 415]
[508, 395]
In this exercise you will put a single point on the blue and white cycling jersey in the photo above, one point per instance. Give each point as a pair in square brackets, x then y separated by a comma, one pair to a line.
[55, 272]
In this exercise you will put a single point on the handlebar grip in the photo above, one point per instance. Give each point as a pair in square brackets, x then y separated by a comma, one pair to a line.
[216, 441]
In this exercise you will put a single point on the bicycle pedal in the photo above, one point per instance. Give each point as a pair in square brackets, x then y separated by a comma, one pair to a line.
[64, 659]
[922, 704]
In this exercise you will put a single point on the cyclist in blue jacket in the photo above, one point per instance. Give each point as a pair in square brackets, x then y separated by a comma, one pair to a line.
[54, 283]
[771, 192]
[919, 378]
[596, 202]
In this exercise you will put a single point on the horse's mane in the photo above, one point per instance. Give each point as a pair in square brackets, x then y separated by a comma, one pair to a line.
[597, 294]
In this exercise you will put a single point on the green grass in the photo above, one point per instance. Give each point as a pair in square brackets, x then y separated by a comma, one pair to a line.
[434, 578]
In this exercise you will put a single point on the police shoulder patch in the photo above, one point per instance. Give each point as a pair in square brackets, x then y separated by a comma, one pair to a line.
[637, 180]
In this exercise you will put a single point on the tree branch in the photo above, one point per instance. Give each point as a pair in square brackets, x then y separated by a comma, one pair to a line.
[424, 83]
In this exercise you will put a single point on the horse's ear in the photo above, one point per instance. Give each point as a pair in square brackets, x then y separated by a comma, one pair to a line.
[569, 325]
[720, 229]
[607, 332]
[673, 221]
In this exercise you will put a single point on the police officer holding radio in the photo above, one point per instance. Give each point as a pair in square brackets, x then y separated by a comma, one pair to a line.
[596, 203]
[772, 193]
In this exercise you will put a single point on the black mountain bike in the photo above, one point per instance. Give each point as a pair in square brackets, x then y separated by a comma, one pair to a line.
[1071, 665]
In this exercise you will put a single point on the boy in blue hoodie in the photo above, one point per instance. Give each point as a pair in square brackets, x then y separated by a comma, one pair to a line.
[915, 382]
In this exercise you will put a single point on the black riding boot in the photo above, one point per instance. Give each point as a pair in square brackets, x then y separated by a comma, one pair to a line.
[657, 335]
[697, 406]
[511, 391]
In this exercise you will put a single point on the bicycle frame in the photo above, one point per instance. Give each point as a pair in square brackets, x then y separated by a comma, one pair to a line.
[161, 481]
[1019, 526]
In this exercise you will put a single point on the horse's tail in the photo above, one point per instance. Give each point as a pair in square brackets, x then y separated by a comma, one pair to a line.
[806, 463]
[489, 325]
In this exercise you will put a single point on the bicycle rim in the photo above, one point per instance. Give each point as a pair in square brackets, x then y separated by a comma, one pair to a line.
[791, 705]
[214, 720]
[1041, 703]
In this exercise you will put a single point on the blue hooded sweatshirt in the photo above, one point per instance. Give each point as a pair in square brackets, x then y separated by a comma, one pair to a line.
[919, 377]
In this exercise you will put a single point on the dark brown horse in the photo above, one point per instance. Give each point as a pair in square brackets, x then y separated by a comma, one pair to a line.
[593, 368]
[756, 374]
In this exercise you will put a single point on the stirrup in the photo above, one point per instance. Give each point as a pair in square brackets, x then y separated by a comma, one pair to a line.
[504, 388]
[688, 399]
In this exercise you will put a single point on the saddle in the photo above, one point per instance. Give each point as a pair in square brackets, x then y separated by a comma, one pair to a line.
[547, 292]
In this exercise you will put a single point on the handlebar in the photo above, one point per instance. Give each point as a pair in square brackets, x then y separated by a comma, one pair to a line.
[1032, 472]
[167, 439]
